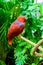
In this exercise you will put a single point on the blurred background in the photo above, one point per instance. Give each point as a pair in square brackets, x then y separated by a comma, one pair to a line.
[20, 51]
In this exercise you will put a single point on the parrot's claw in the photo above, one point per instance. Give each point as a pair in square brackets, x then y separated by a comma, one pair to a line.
[19, 36]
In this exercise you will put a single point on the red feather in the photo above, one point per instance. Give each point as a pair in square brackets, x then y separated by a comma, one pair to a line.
[16, 28]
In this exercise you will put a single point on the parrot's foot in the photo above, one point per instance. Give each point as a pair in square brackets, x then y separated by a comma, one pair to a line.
[19, 36]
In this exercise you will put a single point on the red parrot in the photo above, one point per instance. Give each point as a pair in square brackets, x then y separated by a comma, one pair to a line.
[16, 28]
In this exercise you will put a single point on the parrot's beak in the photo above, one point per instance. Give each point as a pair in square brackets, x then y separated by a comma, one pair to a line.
[25, 17]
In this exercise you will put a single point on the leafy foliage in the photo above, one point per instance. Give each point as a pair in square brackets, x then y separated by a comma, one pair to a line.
[9, 11]
[2, 63]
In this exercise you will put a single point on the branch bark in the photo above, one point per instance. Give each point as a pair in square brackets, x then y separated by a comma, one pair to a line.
[30, 42]
[35, 48]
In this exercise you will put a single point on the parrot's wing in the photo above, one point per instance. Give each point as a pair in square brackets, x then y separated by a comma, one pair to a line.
[15, 29]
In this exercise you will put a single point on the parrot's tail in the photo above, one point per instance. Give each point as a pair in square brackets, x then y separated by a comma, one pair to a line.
[10, 42]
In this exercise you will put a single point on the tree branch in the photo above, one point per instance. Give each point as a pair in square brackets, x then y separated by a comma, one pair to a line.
[30, 42]
[35, 48]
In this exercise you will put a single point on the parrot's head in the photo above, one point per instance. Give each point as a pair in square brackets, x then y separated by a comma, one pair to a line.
[21, 19]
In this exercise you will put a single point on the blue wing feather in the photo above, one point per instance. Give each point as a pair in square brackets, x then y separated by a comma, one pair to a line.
[20, 23]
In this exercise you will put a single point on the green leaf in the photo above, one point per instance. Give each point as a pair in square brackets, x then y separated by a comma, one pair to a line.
[2, 62]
